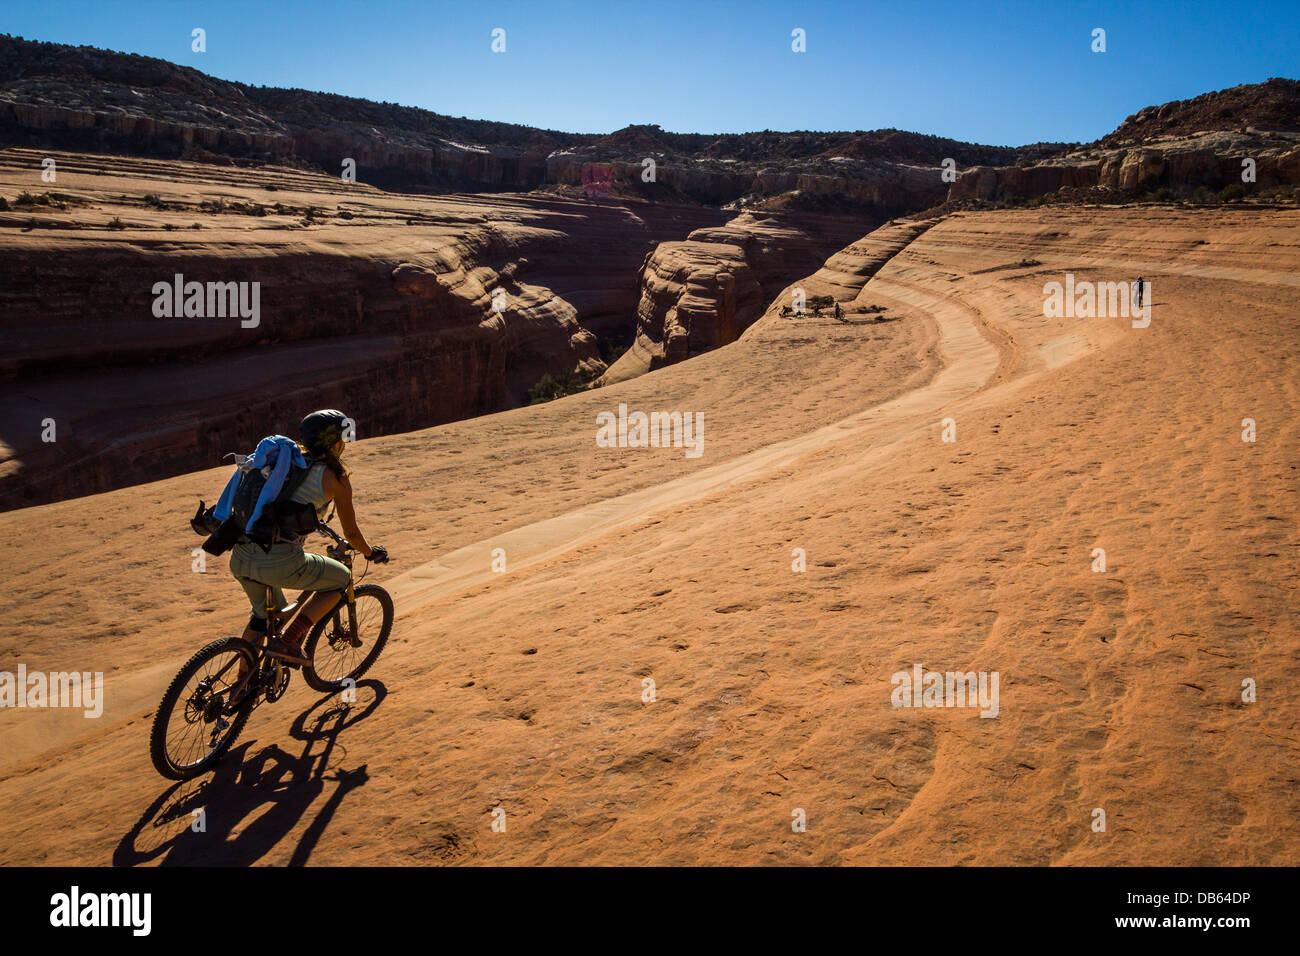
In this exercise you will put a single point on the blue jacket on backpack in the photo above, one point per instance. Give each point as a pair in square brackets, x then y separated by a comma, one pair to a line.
[279, 452]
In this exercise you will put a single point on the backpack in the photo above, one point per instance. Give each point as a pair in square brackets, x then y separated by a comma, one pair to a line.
[281, 518]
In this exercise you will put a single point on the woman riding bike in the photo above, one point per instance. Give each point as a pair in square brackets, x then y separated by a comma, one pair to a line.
[286, 565]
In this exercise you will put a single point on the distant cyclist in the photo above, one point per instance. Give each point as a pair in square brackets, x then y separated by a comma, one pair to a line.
[285, 565]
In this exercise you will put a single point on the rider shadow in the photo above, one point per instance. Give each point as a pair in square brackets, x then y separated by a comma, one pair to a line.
[273, 785]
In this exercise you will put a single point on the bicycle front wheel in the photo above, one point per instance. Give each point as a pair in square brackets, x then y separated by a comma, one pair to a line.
[337, 654]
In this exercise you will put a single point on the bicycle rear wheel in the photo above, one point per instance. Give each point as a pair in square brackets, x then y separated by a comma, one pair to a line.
[336, 655]
[196, 722]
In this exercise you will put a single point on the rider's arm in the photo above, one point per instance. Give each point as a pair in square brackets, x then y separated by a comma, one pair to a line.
[341, 491]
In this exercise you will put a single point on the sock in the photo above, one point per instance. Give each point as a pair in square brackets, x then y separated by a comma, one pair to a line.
[297, 630]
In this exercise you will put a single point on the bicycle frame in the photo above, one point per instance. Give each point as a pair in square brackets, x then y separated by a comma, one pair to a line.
[340, 551]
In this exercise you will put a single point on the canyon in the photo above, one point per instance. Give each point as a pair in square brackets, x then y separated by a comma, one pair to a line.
[523, 690]
[407, 310]
[473, 266]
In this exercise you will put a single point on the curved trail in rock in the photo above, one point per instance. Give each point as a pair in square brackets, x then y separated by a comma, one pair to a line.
[970, 360]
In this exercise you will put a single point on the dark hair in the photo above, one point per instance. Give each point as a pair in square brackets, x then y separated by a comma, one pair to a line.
[328, 458]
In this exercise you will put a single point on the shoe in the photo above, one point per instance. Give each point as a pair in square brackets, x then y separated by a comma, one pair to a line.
[282, 650]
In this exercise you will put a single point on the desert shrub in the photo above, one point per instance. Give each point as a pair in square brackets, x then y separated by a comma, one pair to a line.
[116, 223]
[1202, 195]
[821, 301]
[344, 214]
[1233, 193]
[550, 387]
[153, 199]
[195, 226]
[27, 199]
[247, 208]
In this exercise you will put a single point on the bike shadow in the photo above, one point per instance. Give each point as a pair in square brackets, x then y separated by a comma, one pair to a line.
[198, 822]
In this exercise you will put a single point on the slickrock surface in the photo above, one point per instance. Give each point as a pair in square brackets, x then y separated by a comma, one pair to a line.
[1119, 690]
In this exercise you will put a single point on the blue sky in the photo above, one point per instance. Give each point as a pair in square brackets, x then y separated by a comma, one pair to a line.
[1004, 73]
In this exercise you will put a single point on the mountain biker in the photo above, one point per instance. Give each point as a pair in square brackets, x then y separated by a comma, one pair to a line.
[286, 565]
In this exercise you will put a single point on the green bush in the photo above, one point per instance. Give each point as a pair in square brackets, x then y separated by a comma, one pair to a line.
[550, 387]
[116, 223]
[27, 199]
[1233, 193]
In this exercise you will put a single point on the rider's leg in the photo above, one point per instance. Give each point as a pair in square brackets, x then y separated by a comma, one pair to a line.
[327, 578]
[321, 603]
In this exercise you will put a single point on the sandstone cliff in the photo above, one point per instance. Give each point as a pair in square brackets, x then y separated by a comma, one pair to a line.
[1180, 147]
[79, 98]
[703, 292]
[406, 311]
[1211, 160]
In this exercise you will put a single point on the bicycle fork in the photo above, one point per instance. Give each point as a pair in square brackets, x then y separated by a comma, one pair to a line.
[350, 594]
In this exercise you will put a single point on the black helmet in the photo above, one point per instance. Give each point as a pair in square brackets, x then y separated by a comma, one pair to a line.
[321, 429]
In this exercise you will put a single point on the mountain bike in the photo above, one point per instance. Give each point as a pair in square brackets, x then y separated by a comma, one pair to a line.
[208, 702]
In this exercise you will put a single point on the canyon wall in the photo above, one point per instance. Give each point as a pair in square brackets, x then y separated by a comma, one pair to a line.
[412, 311]
[1212, 159]
[703, 292]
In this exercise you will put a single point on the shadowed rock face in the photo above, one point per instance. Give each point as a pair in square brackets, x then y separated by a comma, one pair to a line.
[457, 314]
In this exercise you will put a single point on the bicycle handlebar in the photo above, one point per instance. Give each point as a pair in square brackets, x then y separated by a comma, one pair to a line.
[325, 529]
[379, 554]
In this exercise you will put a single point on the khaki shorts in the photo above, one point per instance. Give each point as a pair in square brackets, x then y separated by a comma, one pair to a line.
[284, 566]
